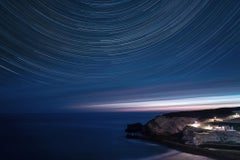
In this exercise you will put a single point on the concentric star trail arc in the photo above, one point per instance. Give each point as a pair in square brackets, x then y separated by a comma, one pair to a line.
[93, 45]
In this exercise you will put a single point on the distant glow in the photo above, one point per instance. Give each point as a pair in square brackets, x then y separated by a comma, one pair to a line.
[173, 104]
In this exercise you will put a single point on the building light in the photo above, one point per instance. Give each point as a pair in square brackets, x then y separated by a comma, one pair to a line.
[196, 124]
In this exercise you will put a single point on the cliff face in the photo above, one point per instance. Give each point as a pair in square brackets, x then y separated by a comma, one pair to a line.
[204, 133]
[198, 136]
[167, 126]
[189, 133]
[163, 125]
[219, 137]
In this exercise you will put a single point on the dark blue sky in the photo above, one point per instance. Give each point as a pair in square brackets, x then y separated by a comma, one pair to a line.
[76, 55]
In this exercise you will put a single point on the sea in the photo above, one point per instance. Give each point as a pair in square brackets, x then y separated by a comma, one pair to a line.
[75, 136]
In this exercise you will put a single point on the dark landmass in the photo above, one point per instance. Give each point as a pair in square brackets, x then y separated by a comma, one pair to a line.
[204, 114]
[213, 133]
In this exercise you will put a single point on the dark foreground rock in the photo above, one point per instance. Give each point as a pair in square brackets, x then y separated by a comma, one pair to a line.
[134, 128]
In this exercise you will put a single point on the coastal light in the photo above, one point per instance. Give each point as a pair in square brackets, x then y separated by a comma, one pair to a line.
[196, 124]
[236, 115]
[208, 127]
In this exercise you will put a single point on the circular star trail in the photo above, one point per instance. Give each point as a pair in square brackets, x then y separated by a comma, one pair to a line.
[93, 41]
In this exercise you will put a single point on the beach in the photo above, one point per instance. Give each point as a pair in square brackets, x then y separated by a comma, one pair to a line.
[185, 156]
[177, 155]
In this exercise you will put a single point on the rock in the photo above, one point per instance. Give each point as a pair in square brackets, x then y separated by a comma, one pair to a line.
[134, 128]
[189, 133]
[218, 137]
[199, 136]
[163, 125]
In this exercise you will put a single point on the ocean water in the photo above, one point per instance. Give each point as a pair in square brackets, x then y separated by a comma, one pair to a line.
[79, 136]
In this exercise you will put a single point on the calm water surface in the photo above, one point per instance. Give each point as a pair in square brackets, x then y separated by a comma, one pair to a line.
[73, 136]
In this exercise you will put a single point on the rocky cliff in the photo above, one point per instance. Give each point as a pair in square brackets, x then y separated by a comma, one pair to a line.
[199, 136]
[163, 125]
[188, 131]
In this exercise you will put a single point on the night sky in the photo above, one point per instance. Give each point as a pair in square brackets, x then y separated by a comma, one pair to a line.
[118, 55]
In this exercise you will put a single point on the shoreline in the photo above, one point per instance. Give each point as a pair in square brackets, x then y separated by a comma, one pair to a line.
[162, 156]
[176, 130]
[186, 156]
[177, 155]
[183, 148]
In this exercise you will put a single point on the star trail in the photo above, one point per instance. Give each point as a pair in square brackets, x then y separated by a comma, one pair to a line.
[58, 54]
